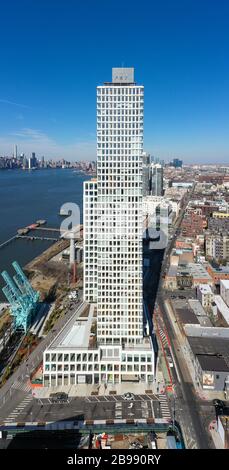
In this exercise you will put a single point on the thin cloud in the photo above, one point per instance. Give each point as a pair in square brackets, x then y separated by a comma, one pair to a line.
[32, 134]
[34, 140]
[20, 105]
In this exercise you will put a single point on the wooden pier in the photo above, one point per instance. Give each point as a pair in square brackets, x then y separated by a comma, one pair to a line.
[48, 229]
[8, 241]
[32, 237]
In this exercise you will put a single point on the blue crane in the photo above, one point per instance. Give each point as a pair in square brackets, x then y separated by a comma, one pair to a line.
[23, 299]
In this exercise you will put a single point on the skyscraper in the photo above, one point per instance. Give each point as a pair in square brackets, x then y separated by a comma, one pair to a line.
[34, 160]
[146, 174]
[176, 163]
[119, 217]
[113, 230]
[156, 179]
[15, 151]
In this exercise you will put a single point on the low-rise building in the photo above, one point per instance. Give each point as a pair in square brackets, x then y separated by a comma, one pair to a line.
[175, 206]
[211, 178]
[224, 290]
[185, 316]
[218, 225]
[186, 276]
[200, 313]
[205, 295]
[218, 272]
[199, 331]
[193, 223]
[182, 184]
[192, 275]
[217, 247]
[183, 243]
[74, 356]
[220, 215]
[221, 310]
[170, 281]
[181, 255]
[210, 358]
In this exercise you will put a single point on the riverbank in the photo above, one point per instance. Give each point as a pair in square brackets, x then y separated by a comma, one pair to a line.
[30, 196]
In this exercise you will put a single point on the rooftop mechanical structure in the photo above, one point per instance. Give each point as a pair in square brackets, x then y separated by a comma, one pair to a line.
[23, 299]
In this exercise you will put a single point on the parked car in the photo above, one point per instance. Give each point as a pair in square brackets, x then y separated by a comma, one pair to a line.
[73, 295]
[128, 396]
[218, 403]
[58, 396]
[220, 410]
[135, 445]
[170, 361]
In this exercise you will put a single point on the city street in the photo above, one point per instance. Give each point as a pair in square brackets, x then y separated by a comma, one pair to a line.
[10, 393]
[189, 410]
[18, 404]
[91, 407]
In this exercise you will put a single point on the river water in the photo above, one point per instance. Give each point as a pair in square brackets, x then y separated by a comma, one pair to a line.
[26, 196]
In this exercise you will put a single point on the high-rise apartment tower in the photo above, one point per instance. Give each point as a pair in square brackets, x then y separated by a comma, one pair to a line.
[116, 282]
[112, 343]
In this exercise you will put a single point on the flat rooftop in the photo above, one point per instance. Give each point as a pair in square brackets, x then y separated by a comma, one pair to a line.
[198, 331]
[194, 269]
[172, 272]
[221, 269]
[76, 332]
[225, 283]
[205, 289]
[197, 307]
[222, 307]
[212, 363]
[146, 344]
[186, 315]
[210, 346]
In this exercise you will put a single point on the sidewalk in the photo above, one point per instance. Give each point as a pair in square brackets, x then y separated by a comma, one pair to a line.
[215, 435]
[203, 394]
[82, 390]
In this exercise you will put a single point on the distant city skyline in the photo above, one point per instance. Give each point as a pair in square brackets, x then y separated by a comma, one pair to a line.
[53, 59]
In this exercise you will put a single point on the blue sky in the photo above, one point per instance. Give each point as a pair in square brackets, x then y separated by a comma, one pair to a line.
[53, 53]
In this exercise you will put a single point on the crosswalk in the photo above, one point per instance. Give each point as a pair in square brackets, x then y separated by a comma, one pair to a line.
[19, 409]
[118, 409]
[145, 409]
[191, 444]
[119, 398]
[129, 409]
[165, 411]
[25, 387]
[163, 337]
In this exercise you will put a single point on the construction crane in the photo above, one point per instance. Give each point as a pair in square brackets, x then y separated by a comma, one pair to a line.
[23, 283]
[23, 299]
